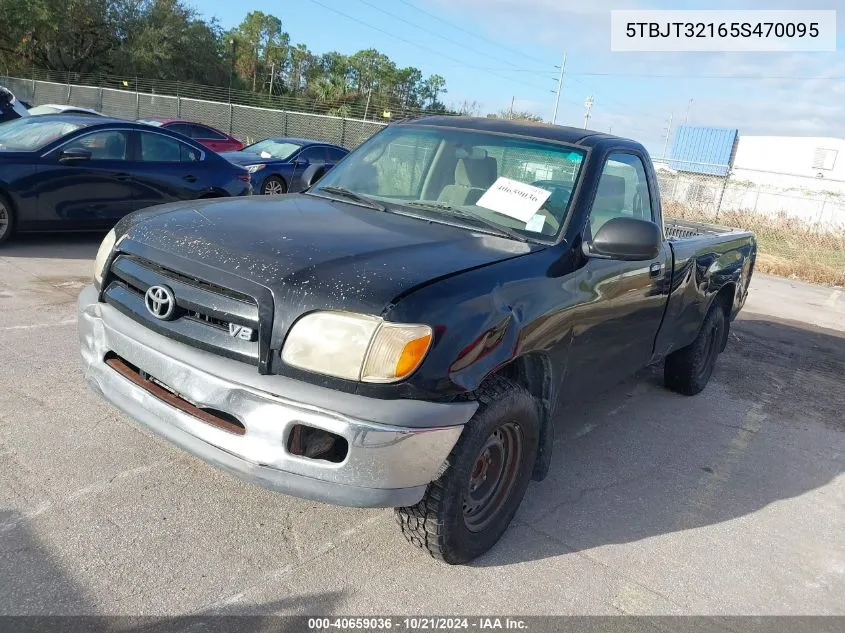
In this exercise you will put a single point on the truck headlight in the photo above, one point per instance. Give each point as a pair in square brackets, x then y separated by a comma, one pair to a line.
[254, 168]
[356, 346]
[103, 253]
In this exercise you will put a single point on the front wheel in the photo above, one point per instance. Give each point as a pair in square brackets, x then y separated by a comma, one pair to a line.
[274, 186]
[7, 219]
[468, 508]
[688, 370]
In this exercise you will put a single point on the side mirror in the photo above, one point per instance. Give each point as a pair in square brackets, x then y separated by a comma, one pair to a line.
[628, 239]
[74, 154]
[301, 162]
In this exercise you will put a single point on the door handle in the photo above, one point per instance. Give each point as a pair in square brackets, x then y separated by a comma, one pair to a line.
[122, 176]
[655, 269]
[190, 178]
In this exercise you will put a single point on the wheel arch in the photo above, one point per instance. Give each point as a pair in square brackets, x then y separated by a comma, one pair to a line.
[724, 299]
[533, 372]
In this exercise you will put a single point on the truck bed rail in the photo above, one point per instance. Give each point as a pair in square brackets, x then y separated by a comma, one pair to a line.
[683, 229]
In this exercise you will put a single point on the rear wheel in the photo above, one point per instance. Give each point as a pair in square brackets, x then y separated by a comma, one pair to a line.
[7, 219]
[468, 508]
[274, 186]
[688, 370]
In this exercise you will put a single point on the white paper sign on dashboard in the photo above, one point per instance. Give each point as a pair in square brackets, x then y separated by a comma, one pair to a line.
[513, 198]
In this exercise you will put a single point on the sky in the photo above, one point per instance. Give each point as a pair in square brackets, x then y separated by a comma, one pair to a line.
[496, 51]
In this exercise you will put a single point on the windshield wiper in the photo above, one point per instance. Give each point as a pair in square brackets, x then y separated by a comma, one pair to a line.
[351, 195]
[464, 213]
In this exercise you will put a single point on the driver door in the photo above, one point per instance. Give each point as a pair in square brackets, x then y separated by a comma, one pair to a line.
[614, 328]
[315, 155]
[92, 192]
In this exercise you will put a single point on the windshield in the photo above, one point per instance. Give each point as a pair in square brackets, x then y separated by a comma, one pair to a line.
[32, 133]
[517, 185]
[150, 122]
[272, 148]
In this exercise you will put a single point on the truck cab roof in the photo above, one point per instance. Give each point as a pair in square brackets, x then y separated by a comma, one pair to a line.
[538, 130]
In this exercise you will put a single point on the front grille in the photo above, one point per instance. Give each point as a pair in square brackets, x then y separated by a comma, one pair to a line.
[206, 316]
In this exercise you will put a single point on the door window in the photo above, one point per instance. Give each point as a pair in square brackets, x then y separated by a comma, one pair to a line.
[622, 192]
[206, 133]
[157, 148]
[181, 128]
[105, 145]
[313, 155]
[335, 155]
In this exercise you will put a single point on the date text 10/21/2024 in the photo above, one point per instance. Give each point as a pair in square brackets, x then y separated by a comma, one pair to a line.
[418, 624]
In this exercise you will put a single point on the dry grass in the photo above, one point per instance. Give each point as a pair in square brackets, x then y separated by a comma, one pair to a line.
[786, 247]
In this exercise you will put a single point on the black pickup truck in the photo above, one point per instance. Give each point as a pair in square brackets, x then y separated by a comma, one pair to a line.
[405, 333]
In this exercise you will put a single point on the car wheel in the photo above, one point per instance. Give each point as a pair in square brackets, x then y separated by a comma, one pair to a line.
[274, 186]
[688, 370]
[7, 219]
[467, 509]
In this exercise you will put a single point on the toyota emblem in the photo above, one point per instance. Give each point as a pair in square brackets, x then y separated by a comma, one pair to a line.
[160, 302]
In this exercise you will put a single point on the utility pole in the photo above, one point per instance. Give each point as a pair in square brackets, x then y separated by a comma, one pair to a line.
[510, 116]
[588, 106]
[689, 105]
[272, 76]
[668, 133]
[559, 88]
[231, 70]
[367, 109]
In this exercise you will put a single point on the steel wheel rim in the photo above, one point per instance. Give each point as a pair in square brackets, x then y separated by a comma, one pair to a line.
[493, 476]
[4, 220]
[273, 188]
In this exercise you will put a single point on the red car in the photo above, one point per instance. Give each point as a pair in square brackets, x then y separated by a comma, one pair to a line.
[203, 134]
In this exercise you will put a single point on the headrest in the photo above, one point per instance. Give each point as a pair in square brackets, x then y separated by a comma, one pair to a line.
[475, 172]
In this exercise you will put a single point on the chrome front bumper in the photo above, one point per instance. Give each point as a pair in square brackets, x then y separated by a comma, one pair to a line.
[396, 447]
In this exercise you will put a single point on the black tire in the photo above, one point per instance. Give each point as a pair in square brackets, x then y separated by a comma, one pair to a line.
[688, 370]
[7, 219]
[273, 185]
[450, 523]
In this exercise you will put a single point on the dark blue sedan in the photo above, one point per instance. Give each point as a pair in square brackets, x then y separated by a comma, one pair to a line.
[61, 172]
[286, 165]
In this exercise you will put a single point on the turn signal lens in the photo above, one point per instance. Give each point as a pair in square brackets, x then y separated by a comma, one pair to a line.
[396, 351]
[411, 355]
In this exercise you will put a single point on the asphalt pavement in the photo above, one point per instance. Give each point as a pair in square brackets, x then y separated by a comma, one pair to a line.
[730, 502]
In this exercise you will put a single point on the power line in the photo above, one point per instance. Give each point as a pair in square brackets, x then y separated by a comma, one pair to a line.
[498, 45]
[436, 34]
[420, 46]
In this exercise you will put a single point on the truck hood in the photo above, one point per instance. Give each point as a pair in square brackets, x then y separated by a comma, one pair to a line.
[312, 252]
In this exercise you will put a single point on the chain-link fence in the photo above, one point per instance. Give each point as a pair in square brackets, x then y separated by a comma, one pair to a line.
[244, 122]
[799, 221]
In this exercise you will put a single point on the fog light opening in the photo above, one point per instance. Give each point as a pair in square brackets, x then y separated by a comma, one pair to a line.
[313, 443]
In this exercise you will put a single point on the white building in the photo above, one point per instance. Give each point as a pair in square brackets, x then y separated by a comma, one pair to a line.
[791, 162]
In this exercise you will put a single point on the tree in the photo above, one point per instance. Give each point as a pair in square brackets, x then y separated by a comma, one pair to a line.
[432, 88]
[169, 40]
[64, 35]
[260, 44]
[516, 115]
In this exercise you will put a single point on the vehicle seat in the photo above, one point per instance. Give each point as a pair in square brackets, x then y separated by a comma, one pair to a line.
[609, 203]
[473, 176]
